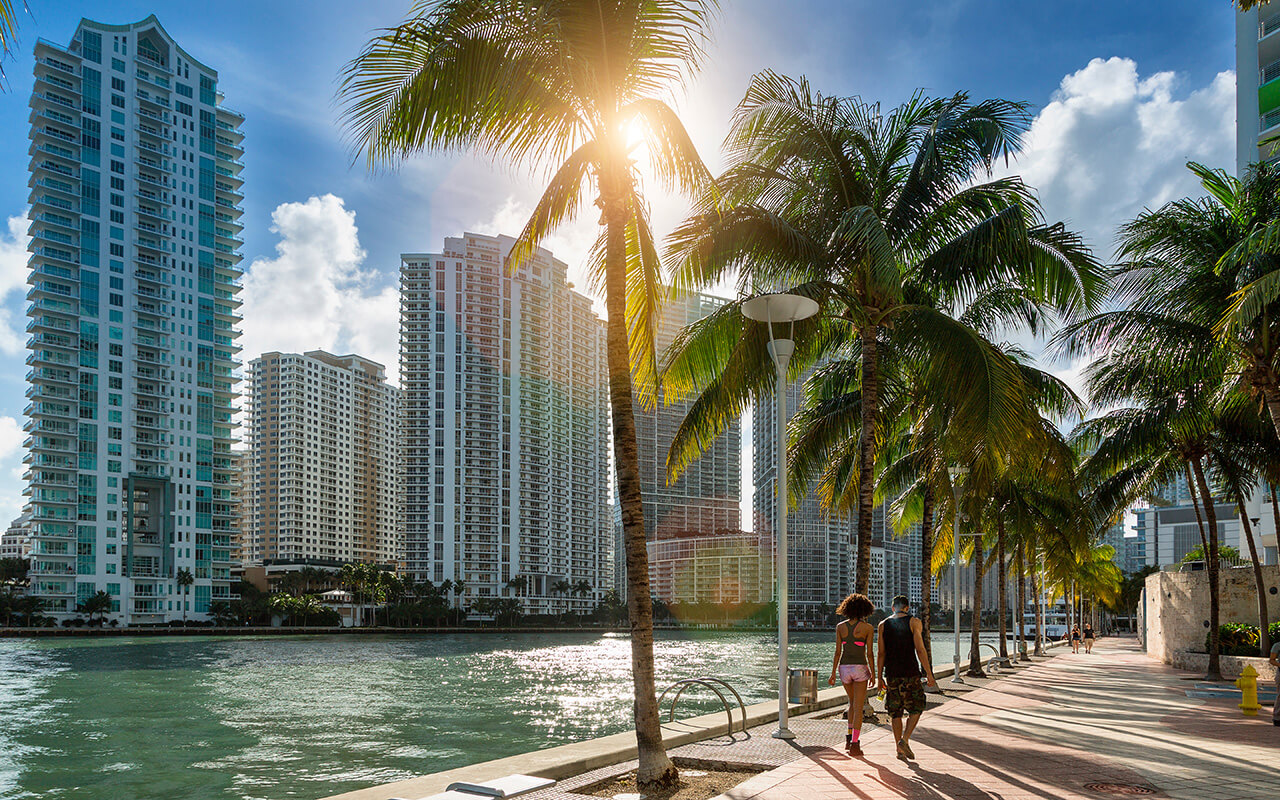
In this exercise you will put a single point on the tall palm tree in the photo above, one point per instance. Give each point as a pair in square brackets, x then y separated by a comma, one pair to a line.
[1195, 319]
[1163, 437]
[185, 580]
[561, 84]
[562, 587]
[876, 216]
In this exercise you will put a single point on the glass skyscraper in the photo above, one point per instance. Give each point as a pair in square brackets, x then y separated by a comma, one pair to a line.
[135, 207]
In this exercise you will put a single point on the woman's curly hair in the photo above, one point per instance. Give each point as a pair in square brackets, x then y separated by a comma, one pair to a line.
[855, 606]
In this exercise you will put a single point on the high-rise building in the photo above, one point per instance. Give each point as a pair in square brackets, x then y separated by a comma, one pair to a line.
[135, 208]
[504, 418]
[706, 498]
[1257, 84]
[16, 541]
[820, 553]
[725, 568]
[324, 462]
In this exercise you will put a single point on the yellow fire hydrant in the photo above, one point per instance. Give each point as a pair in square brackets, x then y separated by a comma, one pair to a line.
[1248, 685]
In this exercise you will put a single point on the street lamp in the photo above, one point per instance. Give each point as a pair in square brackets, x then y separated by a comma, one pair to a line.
[781, 309]
[956, 474]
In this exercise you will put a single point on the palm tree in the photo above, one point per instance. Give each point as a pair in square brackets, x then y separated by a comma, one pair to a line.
[562, 587]
[98, 604]
[563, 83]
[185, 580]
[8, 33]
[459, 594]
[1194, 322]
[1138, 449]
[876, 216]
[582, 589]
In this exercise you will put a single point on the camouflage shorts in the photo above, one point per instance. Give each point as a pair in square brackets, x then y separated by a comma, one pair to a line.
[904, 696]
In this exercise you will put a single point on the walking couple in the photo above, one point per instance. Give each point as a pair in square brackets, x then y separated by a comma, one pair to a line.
[899, 662]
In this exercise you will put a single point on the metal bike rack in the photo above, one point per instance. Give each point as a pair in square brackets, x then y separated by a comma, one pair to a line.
[709, 683]
[996, 661]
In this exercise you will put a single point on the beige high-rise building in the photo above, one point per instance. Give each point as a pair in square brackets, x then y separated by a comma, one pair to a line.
[324, 482]
[505, 426]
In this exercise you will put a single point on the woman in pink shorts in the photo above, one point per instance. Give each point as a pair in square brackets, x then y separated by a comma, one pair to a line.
[850, 665]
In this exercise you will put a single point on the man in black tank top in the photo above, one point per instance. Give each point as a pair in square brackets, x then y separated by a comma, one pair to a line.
[898, 668]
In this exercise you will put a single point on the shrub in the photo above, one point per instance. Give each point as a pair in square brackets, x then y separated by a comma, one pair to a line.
[1240, 639]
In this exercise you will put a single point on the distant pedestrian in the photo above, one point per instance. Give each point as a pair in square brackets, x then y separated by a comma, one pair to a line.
[901, 655]
[1075, 639]
[851, 666]
[1088, 638]
[1275, 704]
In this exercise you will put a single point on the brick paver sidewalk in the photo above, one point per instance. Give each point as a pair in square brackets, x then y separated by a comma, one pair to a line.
[1113, 717]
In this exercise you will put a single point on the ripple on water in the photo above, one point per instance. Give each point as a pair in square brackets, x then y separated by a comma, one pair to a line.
[304, 717]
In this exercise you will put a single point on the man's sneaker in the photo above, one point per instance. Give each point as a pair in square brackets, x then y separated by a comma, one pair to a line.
[906, 748]
[902, 751]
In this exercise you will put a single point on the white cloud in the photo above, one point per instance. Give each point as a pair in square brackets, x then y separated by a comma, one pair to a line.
[1111, 142]
[13, 277]
[314, 294]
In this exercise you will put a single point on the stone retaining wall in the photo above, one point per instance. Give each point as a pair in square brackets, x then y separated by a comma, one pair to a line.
[1174, 613]
[1231, 666]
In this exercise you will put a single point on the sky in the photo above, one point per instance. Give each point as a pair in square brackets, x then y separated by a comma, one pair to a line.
[1124, 94]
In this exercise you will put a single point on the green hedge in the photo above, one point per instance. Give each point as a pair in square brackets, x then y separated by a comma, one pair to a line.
[1240, 639]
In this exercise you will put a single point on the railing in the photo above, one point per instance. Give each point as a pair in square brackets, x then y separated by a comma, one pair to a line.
[1268, 25]
[709, 683]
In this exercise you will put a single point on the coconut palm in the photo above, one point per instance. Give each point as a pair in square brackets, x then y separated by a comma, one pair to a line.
[876, 216]
[566, 85]
[1251, 456]
[1194, 322]
[185, 580]
[98, 604]
[562, 587]
[1164, 436]
[8, 34]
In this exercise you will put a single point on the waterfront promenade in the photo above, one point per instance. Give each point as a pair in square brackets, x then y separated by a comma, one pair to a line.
[1049, 731]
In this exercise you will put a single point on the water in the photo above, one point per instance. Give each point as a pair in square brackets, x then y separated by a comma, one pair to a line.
[306, 717]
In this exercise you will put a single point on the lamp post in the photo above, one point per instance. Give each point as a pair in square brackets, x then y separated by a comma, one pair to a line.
[956, 474]
[785, 309]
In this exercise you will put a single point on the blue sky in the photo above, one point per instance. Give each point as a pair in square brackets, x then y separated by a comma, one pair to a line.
[1125, 93]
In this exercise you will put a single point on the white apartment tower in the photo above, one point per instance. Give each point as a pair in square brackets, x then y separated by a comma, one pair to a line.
[505, 424]
[323, 482]
[1257, 84]
[706, 498]
[135, 207]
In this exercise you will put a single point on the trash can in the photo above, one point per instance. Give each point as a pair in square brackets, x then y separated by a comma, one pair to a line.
[802, 686]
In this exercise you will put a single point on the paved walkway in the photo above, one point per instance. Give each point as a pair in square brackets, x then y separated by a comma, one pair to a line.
[1113, 717]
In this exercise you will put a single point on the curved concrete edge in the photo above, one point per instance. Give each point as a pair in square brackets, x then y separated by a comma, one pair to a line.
[568, 760]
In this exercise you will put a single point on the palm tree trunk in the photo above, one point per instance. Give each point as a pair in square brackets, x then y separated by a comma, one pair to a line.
[1214, 673]
[1264, 636]
[1035, 599]
[1002, 599]
[1275, 509]
[1021, 609]
[655, 768]
[867, 456]
[975, 653]
[926, 567]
